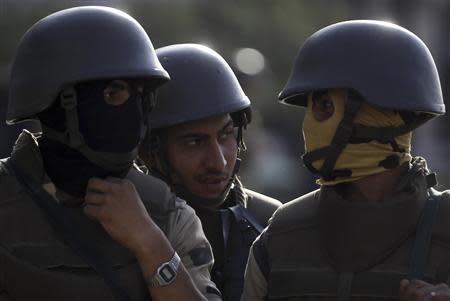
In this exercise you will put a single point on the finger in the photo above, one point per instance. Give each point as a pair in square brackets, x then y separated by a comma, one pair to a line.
[422, 290]
[418, 283]
[92, 211]
[426, 292]
[411, 292]
[442, 287]
[98, 185]
[94, 198]
[120, 183]
[404, 283]
[440, 296]
[441, 292]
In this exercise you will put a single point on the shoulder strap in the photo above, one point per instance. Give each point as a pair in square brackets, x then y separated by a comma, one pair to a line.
[79, 242]
[242, 213]
[225, 217]
[420, 250]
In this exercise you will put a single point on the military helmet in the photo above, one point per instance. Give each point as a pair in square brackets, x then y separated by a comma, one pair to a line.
[75, 45]
[202, 85]
[387, 65]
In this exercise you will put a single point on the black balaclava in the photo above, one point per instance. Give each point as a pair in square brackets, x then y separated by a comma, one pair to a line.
[108, 131]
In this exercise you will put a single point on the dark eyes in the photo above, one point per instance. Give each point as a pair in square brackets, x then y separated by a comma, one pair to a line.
[322, 106]
[223, 137]
[117, 92]
[193, 142]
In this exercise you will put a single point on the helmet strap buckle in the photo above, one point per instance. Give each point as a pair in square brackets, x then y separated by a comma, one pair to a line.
[68, 99]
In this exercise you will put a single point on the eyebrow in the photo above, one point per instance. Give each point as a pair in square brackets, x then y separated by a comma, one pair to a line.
[188, 134]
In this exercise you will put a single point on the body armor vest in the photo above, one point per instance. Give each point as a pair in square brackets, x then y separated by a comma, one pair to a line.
[309, 268]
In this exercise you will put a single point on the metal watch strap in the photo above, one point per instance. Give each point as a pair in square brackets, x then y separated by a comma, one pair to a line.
[166, 272]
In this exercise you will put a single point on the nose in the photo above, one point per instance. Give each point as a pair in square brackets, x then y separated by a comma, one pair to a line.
[216, 156]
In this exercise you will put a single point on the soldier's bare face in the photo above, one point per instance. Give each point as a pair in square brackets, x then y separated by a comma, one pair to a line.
[203, 154]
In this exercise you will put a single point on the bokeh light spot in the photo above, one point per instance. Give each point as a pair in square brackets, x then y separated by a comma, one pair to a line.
[249, 61]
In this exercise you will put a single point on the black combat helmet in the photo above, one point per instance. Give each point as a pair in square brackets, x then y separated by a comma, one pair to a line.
[202, 85]
[387, 65]
[76, 45]
[80, 45]
[379, 63]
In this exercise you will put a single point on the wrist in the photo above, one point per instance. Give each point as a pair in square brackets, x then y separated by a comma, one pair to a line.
[165, 273]
[146, 240]
[152, 251]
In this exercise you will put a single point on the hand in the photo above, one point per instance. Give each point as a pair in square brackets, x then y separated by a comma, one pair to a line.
[116, 205]
[418, 290]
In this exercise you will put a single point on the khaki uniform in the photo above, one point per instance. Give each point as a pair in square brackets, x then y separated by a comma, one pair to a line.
[321, 246]
[35, 264]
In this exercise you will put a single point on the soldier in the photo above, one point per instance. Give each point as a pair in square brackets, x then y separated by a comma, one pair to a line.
[71, 226]
[196, 137]
[376, 218]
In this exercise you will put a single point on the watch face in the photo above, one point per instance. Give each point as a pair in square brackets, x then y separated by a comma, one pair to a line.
[167, 273]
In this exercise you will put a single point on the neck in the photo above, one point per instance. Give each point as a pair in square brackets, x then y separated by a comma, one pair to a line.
[374, 188]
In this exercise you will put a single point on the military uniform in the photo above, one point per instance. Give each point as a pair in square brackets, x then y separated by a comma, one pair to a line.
[231, 235]
[343, 249]
[376, 218]
[202, 86]
[37, 265]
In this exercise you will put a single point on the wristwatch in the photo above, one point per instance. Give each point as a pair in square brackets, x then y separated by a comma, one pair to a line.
[166, 272]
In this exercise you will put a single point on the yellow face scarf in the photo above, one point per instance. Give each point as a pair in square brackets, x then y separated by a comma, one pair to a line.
[363, 159]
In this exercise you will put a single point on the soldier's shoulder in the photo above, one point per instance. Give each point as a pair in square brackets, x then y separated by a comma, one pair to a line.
[155, 193]
[10, 187]
[442, 222]
[261, 206]
[298, 213]
[4, 170]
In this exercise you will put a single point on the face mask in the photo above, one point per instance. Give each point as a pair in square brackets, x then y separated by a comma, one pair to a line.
[68, 169]
[109, 120]
[358, 159]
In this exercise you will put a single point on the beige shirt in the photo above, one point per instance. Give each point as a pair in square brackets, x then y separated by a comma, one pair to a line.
[255, 285]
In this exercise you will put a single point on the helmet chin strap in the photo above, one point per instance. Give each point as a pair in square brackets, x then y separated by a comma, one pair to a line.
[342, 136]
[349, 132]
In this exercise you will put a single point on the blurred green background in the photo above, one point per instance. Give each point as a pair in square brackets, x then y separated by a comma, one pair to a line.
[259, 39]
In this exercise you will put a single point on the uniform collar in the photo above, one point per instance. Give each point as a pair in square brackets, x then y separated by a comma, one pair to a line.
[28, 160]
